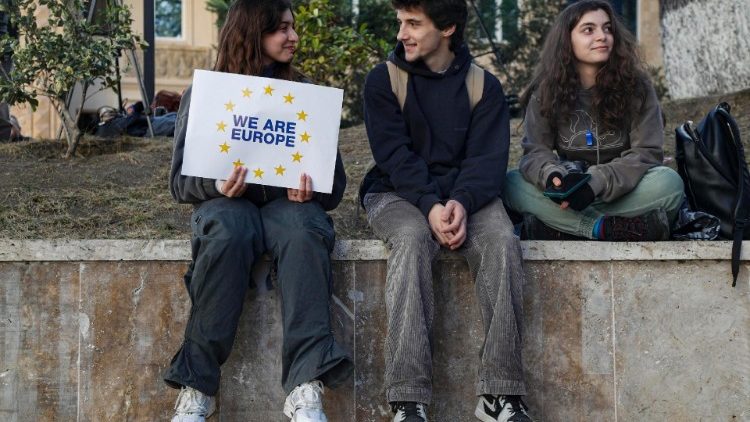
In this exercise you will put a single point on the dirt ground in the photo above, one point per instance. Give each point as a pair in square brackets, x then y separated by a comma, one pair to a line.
[118, 189]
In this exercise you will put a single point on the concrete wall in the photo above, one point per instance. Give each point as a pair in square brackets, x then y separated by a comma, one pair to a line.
[706, 44]
[615, 332]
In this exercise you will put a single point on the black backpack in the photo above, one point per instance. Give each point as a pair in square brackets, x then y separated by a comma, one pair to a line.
[711, 162]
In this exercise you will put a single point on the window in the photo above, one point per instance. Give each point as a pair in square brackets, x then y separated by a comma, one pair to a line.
[168, 18]
[628, 11]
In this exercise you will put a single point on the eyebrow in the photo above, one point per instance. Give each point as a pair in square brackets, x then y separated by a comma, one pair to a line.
[584, 24]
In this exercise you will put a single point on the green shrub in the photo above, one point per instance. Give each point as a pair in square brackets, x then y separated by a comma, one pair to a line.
[335, 54]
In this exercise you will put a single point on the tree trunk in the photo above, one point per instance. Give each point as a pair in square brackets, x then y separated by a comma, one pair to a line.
[72, 133]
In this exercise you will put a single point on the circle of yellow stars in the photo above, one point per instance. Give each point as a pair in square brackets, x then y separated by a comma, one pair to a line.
[302, 116]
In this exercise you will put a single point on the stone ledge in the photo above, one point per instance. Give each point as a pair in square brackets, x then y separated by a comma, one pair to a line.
[364, 250]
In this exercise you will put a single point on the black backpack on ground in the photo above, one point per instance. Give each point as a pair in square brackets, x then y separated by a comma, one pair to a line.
[711, 162]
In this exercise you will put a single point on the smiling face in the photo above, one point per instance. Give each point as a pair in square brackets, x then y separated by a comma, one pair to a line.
[592, 39]
[421, 39]
[280, 45]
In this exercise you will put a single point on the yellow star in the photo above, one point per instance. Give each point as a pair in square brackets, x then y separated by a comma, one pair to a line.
[288, 98]
[258, 173]
[305, 137]
[297, 157]
[269, 90]
[246, 92]
[280, 170]
[229, 106]
[221, 126]
[238, 163]
[302, 115]
[224, 147]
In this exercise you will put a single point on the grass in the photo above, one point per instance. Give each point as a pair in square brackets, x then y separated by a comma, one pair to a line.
[119, 188]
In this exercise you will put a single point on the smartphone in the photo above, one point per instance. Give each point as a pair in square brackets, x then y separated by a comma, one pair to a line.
[571, 183]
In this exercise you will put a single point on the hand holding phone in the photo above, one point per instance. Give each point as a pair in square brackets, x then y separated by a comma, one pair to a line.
[570, 183]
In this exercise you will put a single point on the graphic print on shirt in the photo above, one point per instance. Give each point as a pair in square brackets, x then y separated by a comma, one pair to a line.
[580, 122]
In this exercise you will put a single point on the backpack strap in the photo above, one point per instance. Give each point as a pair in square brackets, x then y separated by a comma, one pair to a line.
[399, 78]
[741, 213]
[474, 83]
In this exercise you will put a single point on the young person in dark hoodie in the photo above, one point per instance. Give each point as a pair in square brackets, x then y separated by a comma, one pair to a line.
[234, 222]
[439, 168]
[592, 103]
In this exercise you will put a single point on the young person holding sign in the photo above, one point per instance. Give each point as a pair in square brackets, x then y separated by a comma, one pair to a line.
[593, 146]
[234, 222]
[441, 158]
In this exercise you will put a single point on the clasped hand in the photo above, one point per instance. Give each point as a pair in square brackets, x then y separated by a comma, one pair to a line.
[448, 224]
[234, 186]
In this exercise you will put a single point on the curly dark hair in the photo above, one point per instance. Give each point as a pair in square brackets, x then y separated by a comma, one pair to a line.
[240, 40]
[443, 13]
[556, 81]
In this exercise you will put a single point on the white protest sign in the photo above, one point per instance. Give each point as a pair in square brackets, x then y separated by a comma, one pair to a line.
[278, 129]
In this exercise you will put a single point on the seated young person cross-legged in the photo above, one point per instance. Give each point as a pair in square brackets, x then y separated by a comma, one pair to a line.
[592, 103]
[440, 166]
[234, 223]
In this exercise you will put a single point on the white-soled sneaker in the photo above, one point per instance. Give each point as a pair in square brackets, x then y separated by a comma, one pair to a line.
[502, 409]
[409, 411]
[193, 406]
[305, 403]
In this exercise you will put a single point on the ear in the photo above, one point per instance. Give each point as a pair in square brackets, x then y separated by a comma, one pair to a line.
[448, 32]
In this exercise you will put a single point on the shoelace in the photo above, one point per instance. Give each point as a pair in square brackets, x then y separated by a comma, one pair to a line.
[188, 402]
[310, 393]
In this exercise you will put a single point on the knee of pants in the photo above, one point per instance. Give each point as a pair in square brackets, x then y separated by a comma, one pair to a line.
[305, 238]
[234, 221]
[519, 194]
[495, 240]
[413, 238]
[666, 185]
[295, 225]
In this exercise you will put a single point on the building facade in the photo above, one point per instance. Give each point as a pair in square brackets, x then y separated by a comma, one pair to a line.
[700, 44]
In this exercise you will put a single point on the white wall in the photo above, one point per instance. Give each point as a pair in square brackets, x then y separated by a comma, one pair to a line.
[706, 47]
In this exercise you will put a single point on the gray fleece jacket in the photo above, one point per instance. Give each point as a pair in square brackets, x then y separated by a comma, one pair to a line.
[618, 159]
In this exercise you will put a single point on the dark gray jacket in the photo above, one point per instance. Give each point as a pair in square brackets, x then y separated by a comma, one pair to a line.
[618, 158]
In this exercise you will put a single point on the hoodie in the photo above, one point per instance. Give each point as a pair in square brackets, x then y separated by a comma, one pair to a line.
[618, 158]
[437, 148]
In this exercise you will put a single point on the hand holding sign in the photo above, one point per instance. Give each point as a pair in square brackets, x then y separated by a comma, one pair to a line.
[282, 140]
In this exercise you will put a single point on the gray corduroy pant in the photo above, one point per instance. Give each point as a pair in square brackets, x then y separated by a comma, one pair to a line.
[493, 253]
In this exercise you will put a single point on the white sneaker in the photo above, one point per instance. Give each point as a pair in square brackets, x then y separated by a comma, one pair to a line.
[305, 403]
[193, 406]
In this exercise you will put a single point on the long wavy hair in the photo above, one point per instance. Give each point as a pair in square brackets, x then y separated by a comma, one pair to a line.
[556, 81]
[240, 39]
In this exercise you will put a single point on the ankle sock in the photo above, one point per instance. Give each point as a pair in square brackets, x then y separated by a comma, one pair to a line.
[597, 232]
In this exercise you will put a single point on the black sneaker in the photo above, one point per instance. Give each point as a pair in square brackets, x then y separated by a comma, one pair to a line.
[409, 411]
[654, 225]
[502, 409]
[534, 229]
